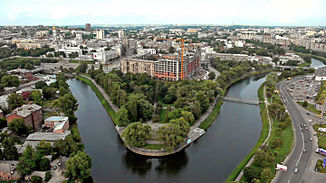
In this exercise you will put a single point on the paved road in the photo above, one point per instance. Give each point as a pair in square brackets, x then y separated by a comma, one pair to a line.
[297, 158]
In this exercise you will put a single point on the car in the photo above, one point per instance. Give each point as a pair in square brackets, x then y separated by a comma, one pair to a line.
[310, 139]
[304, 125]
[308, 113]
[55, 167]
[296, 170]
[304, 150]
[306, 128]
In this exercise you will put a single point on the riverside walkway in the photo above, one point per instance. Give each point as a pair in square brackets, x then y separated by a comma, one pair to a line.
[244, 101]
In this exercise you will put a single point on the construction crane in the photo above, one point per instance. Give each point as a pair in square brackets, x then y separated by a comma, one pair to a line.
[182, 47]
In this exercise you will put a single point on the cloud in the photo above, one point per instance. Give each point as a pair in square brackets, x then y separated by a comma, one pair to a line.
[167, 11]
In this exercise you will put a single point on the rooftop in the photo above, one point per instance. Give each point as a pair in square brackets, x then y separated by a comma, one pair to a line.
[57, 118]
[39, 136]
[26, 109]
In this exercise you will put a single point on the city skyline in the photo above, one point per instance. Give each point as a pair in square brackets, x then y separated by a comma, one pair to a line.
[73, 12]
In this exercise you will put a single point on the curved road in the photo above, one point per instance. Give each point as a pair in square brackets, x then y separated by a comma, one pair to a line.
[297, 158]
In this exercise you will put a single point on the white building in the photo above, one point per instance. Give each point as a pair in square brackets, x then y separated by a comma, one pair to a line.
[99, 34]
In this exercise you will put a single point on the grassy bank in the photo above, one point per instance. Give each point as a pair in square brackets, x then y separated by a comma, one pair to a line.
[263, 135]
[321, 96]
[105, 103]
[322, 59]
[320, 135]
[310, 107]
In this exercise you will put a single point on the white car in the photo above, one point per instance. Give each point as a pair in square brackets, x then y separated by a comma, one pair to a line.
[310, 139]
[296, 170]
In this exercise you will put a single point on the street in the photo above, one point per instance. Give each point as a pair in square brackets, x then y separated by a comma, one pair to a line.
[298, 158]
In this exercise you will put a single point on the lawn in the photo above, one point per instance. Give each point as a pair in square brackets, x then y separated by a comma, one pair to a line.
[306, 64]
[163, 115]
[321, 96]
[310, 107]
[321, 135]
[319, 166]
[154, 146]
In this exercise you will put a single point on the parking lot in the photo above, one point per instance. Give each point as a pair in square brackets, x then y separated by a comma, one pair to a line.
[304, 90]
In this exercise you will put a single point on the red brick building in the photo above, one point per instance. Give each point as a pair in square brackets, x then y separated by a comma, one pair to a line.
[30, 113]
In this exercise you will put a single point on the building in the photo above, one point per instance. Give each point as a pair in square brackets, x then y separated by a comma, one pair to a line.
[100, 34]
[30, 113]
[59, 124]
[87, 26]
[7, 170]
[166, 67]
[138, 66]
[121, 34]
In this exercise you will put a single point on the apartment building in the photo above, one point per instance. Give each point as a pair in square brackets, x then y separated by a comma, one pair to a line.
[30, 113]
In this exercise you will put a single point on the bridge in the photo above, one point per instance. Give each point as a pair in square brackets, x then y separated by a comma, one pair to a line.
[243, 101]
[284, 67]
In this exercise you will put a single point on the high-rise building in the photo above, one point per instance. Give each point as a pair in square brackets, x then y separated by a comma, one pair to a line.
[87, 26]
[167, 67]
[121, 33]
[99, 34]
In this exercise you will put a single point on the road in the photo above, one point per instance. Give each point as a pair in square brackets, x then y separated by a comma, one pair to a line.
[297, 158]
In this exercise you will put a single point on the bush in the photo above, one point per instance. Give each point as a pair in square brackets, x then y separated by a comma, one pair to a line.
[36, 179]
[48, 176]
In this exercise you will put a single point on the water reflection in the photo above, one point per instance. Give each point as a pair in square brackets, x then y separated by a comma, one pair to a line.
[136, 163]
[169, 164]
[141, 165]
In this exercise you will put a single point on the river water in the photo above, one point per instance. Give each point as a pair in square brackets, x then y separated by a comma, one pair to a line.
[210, 159]
[316, 63]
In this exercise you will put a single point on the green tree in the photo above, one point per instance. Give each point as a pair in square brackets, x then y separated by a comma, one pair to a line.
[9, 149]
[67, 104]
[78, 167]
[171, 49]
[36, 96]
[18, 127]
[211, 75]
[10, 81]
[82, 68]
[49, 92]
[36, 179]
[44, 147]
[3, 123]
[170, 135]
[305, 104]
[184, 126]
[136, 134]
[251, 173]
[189, 117]
[123, 116]
[266, 175]
[139, 108]
[14, 101]
[48, 176]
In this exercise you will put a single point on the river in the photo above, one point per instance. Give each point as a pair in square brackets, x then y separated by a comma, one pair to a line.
[316, 63]
[210, 159]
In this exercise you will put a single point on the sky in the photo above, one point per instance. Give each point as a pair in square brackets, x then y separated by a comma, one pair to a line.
[221, 12]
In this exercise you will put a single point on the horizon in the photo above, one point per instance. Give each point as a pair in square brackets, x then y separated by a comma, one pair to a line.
[126, 12]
